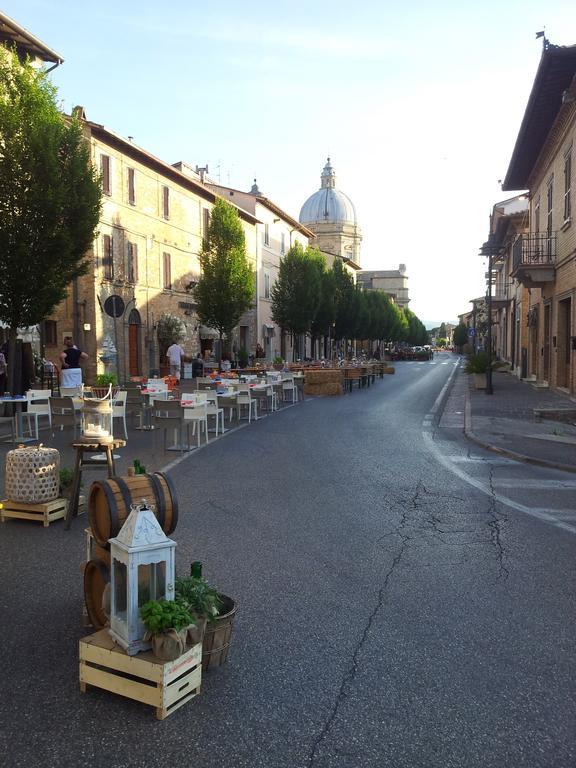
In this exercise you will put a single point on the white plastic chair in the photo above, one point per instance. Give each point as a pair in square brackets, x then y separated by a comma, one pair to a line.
[244, 399]
[119, 409]
[198, 415]
[37, 405]
[289, 389]
[214, 409]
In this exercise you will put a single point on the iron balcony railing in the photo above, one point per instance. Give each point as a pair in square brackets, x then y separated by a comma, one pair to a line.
[537, 249]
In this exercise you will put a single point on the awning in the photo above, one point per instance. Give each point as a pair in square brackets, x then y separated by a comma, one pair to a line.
[208, 333]
[268, 330]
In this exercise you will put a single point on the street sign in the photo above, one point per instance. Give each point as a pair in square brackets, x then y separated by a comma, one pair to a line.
[471, 332]
[114, 305]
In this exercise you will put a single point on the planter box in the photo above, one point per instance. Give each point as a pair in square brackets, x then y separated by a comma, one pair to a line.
[479, 380]
[165, 685]
[44, 513]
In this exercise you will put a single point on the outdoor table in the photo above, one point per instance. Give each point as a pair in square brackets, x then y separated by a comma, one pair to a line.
[82, 462]
[19, 437]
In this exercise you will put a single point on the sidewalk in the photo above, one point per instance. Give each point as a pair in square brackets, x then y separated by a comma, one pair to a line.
[504, 421]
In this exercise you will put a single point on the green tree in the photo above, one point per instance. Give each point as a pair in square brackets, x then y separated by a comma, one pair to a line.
[344, 302]
[225, 289]
[460, 336]
[296, 294]
[50, 201]
[326, 310]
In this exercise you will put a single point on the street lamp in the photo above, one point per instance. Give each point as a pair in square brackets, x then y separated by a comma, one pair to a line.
[489, 249]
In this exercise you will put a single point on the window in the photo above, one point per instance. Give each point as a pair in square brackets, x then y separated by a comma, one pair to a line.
[132, 263]
[266, 285]
[266, 234]
[107, 257]
[166, 271]
[131, 187]
[282, 243]
[567, 185]
[205, 224]
[105, 171]
[166, 202]
[50, 333]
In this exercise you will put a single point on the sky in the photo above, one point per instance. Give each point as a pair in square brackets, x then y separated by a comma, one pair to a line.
[417, 104]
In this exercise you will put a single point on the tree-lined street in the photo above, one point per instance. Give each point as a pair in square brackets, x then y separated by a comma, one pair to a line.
[391, 612]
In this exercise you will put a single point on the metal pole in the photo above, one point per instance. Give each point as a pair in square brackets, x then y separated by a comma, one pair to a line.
[489, 390]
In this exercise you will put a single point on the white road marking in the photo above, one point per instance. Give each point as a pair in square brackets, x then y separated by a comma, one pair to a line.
[556, 485]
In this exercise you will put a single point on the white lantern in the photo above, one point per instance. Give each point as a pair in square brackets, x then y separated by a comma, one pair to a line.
[142, 569]
[97, 419]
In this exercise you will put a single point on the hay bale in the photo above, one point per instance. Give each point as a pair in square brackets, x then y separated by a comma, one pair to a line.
[328, 388]
[323, 376]
[389, 369]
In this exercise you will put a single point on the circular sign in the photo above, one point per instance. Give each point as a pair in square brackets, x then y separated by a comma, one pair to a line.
[114, 305]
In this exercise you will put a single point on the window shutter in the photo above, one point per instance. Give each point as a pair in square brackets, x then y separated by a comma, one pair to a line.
[205, 224]
[167, 271]
[166, 202]
[105, 170]
[131, 189]
[108, 257]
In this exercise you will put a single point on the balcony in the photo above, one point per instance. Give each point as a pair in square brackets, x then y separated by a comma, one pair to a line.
[534, 259]
[500, 298]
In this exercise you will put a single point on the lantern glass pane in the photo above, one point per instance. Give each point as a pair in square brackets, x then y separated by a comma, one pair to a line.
[120, 590]
[151, 582]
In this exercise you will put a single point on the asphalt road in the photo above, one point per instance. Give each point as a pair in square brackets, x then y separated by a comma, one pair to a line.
[393, 608]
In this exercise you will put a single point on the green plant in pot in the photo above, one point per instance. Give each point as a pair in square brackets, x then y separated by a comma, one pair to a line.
[167, 623]
[477, 363]
[66, 480]
[278, 363]
[215, 609]
[242, 357]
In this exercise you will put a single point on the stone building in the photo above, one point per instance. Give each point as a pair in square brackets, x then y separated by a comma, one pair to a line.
[144, 262]
[276, 232]
[543, 259]
[331, 216]
[393, 282]
[27, 45]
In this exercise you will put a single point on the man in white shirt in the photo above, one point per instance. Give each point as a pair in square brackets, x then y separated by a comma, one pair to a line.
[175, 353]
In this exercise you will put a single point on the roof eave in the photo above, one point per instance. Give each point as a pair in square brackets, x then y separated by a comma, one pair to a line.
[32, 42]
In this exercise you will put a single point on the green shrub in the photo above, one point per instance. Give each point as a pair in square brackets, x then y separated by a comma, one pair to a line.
[199, 597]
[477, 363]
[105, 379]
[161, 615]
[243, 357]
[66, 477]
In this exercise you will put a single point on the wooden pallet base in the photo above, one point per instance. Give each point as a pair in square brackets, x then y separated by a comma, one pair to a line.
[44, 513]
[165, 685]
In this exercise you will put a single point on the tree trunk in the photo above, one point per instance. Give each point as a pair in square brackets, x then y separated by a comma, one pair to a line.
[14, 377]
[220, 353]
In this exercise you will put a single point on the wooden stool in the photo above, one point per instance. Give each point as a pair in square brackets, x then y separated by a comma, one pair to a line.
[81, 462]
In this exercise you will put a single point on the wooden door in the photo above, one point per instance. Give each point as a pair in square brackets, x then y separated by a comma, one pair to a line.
[134, 350]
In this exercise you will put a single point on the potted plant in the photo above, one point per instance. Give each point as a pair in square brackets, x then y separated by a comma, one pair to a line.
[243, 357]
[202, 601]
[477, 365]
[102, 383]
[278, 363]
[166, 623]
[218, 610]
[66, 480]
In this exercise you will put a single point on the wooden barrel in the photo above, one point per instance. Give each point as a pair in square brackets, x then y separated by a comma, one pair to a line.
[218, 636]
[110, 501]
[96, 579]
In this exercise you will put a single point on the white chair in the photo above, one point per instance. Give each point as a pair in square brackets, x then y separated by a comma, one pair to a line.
[72, 391]
[38, 404]
[244, 400]
[169, 414]
[198, 415]
[214, 409]
[289, 389]
[119, 409]
[265, 397]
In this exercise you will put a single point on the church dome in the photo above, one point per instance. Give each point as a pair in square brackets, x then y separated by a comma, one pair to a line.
[328, 204]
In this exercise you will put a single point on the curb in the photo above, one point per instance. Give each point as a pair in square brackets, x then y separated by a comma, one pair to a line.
[470, 435]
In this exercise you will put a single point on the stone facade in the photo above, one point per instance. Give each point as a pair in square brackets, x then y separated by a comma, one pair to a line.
[276, 232]
[544, 261]
[146, 252]
[393, 282]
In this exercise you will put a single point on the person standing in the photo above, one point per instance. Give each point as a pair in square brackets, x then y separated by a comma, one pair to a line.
[175, 353]
[71, 373]
[3, 372]
[197, 366]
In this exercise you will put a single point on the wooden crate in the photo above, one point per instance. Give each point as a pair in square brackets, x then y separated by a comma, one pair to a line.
[165, 685]
[45, 512]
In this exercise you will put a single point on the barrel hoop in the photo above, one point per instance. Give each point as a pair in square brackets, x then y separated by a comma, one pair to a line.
[172, 489]
[126, 493]
[112, 508]
[159, 496]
